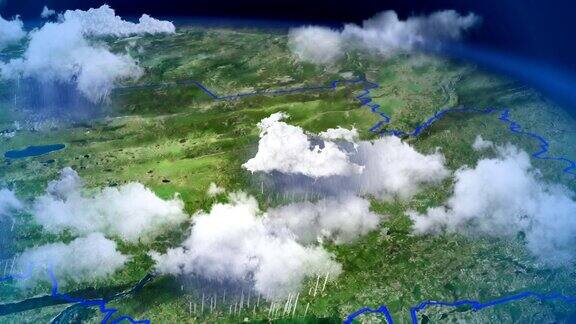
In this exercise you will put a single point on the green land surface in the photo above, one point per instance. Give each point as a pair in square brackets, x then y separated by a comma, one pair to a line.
[174, 138]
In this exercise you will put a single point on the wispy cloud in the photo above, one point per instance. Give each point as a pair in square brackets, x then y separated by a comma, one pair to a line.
[11, 31]
[384, 34]
[85, 259]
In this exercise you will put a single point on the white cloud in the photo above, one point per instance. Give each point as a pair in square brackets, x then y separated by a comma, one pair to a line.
[47, 13]
[503, 196]
[214, 190]
[132, 212]
[350, 135]
[319, 45]
[387, 167]
[481, 144]
[341, 219]
[286, 148]
[11, 31]
[233, 243]
[384, 34]
[82, 260]
[61, 52]
[393, 168]
[104, 22]
[9, 202]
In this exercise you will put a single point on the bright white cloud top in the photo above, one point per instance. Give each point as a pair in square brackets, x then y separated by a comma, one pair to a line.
[11, 31]
[84, 259]
[350, 135]
[131, 212]
[103, 21]
[384, 34]
[286, 148]
[502, 196]
[387, 167]
[65, 52]
[233, 242]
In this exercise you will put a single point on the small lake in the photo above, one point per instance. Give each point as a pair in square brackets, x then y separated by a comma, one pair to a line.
[33, 151]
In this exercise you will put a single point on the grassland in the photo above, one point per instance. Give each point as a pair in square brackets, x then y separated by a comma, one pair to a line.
[174, 138]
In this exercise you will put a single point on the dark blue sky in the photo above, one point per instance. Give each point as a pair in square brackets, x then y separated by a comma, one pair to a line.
[530, 28]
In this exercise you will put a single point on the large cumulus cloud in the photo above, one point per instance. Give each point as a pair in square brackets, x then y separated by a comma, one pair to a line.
[233, 242]
[503, 196]
[59, 52]
[387, 167]
[384, 34]
[131, 212]
[287, 148]
[67, 52]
